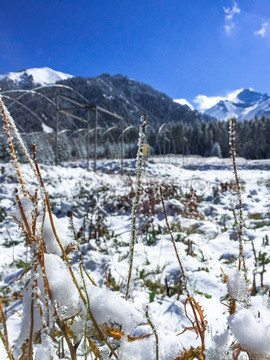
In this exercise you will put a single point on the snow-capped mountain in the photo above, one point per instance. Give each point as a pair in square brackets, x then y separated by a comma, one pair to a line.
[118, 94]
[42, 76]
[245, 105]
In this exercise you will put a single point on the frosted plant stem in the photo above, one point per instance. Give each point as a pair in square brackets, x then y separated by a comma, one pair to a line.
[239, 220]
[88, 301]
[154, 331]
[30, 349]
[102, 336]
[72, 349]
[5, 339]
[17, 134]
[12, 150]
[137, 199]
[174, 244]
[25, 221]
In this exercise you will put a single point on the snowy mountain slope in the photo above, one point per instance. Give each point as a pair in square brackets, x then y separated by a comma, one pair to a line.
[118, 94]
[40, 76]
[245, 105]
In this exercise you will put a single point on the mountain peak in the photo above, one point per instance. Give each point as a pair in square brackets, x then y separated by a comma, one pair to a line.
[250, 96]
[42, 76]
[245, 105]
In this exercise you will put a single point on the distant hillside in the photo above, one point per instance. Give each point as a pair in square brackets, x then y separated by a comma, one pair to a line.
[186, 132]
[118, 94]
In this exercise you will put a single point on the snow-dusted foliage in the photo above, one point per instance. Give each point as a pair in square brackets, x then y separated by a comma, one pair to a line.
[237, 286]
[73, 305]
[136, 199]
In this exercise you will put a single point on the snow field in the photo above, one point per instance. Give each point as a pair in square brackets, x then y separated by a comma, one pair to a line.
[200, 214]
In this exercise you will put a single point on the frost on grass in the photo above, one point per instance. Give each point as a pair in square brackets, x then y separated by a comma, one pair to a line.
[219, 347]
[237, 286]
[27, 206]
[46, 350]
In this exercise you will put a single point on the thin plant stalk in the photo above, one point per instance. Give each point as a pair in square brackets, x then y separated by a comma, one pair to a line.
[239, 219]
[199, 323]
[25, 221]
[17, 134]
[12, 150]
[30, 349]
[136, 200]
[154, 331]
[80, 252]
[5, 339]
[88, 304]
[174, 244]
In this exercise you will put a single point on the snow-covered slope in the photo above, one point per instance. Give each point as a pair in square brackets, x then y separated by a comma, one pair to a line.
[40, 76]
[245, 105]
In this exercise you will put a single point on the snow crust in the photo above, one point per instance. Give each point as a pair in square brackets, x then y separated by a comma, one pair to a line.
[109, 307]
[251, 331]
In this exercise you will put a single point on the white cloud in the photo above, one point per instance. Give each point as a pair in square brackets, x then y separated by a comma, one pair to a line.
[206, 102]
[263, 30]
[183, 102]
[229, 17]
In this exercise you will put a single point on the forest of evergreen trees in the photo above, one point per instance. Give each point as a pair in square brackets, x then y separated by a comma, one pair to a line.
[212, 138]
[205, 138]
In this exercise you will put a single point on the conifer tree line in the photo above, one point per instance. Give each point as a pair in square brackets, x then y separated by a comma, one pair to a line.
[212, 138]
[205, 138]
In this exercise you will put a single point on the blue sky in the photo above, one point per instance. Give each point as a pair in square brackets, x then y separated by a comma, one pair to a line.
[183, 48]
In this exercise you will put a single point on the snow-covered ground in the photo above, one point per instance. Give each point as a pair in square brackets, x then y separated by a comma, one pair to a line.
[199, 198]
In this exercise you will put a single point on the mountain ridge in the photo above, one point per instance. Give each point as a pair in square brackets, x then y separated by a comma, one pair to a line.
[126, 97]
[245, 106]
[116, 93]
